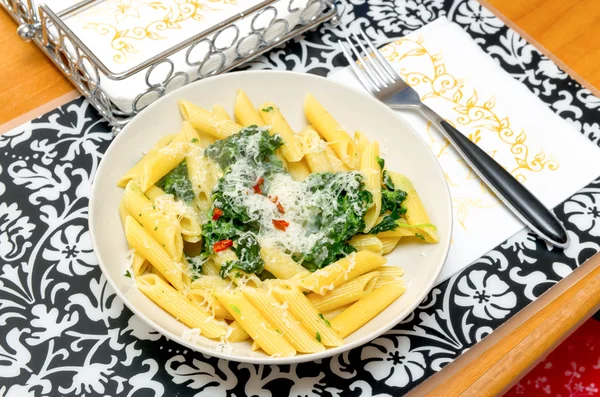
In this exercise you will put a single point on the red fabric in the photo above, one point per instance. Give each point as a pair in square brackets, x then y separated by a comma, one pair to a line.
[572, 369]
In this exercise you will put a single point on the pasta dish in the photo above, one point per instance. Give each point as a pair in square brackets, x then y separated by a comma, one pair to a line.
[244, 229]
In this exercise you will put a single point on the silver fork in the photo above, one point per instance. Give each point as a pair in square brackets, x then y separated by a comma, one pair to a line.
[381, 80]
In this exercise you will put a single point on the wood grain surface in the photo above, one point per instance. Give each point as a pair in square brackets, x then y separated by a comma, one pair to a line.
[29, 79]
[500, 360]
[567, 31]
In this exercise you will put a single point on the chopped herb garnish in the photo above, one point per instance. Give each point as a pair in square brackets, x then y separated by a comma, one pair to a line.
[268, 109]
[127, 274]
[419, 235]
[278, 331]
[194, 140]
[235, 309]
[155, 228]
[318, 337]
[381, 162]
[327, 323]
[140, 215]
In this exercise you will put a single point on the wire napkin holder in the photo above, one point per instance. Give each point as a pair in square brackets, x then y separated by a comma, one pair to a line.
[86, 71]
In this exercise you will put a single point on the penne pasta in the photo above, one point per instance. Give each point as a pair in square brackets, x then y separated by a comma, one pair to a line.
[150, 249]
[366, 242]
[336, 164]
[388, 243]
[284, 322]
[207, 122]
[220, 112]
[210, 268]
[314, 151]
[361, 143]
[245, 113]
[203, 175]
[415, 211]
[298, 170]
[162, 228]
[330, 129]
[237, 333]
[345, 294]
[280, 264]
[389, 275]
[168, 157]
[271, 115]
[365, 309]
[188, 312]
[206, 299]
[139, 166]
[372, 174]
[300, 307]
[188, 216]
[138, 263]
[255, 324]
[345, 269]
[211, 283]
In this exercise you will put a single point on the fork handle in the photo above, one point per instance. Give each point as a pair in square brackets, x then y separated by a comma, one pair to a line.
[510, 191]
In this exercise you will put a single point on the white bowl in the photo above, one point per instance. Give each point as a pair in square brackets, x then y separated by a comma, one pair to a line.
[402, 149]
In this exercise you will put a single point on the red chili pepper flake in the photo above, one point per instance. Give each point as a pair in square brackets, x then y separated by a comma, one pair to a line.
[222, 245]
[217, 213]
[280, 224]
[275, 200]
[256, 187]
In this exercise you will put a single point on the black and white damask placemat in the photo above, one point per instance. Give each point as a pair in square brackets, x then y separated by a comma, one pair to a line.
[64, 332]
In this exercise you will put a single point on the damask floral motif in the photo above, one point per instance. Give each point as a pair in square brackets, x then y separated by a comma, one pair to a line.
[486, 293]
[15, 232]
[583, 211]
[393, 362]
[478, 18]
[397, 16]
[72, 249]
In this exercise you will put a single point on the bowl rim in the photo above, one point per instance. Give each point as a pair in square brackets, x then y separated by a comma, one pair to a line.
[267, 360]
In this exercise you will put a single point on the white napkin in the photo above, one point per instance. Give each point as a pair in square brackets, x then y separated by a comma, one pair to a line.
[465, 86]
[125, 33]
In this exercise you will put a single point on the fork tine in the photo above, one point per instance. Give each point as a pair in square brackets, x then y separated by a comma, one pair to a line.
[382, 63]
[359, 73]
[369, 63]
[366, 68]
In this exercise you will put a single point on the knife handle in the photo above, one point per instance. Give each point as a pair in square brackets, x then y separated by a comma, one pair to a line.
[510, 191]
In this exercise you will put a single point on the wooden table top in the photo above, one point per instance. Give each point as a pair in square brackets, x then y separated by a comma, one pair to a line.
[568, 31]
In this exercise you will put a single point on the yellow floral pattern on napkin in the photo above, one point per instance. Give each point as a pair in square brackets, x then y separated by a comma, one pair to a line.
[427, 73]
[126, 23]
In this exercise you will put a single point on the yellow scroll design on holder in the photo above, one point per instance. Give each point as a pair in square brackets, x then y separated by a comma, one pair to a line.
[141, 20]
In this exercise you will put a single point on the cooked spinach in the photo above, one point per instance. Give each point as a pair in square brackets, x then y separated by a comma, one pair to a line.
[196, 263]
[249, 260]
[332, 204]
[391, 205]
[341, 221]
[178, 183]
[226, 151]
